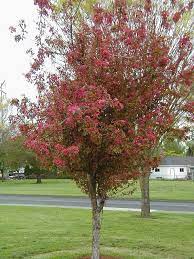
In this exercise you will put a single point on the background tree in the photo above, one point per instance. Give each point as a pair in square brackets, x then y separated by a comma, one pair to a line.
[174, 148]
[15, 156]
[32, 170]
[172, 21]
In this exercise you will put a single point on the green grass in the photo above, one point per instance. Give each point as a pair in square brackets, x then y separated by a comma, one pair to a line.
[159, 189]
[48, 187]
[33, 232]
[169, 190]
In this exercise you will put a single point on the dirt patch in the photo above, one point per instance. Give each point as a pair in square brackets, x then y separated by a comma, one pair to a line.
[102, 257]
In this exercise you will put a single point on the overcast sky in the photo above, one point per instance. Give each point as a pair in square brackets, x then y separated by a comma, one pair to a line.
[13, 60]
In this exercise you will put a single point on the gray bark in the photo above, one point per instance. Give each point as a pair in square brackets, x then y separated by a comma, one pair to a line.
[38, 179]
[3, 176]
[97, 208]
[145, 195]
[96, 226]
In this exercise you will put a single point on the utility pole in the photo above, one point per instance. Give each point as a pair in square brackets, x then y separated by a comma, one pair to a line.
[2, 122]
[3, 93]
[2, 108]
[2, 98]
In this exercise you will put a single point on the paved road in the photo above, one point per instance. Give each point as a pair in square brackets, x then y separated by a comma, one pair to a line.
[71, 202]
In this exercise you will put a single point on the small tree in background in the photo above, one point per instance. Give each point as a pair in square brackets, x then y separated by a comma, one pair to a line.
[174, 148]
[15, 156]
[172, 21]
[32, 170]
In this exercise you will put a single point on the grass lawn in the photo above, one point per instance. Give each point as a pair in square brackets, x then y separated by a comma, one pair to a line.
[33, 232]
[48, 187]
[169, 190]
[159, 189]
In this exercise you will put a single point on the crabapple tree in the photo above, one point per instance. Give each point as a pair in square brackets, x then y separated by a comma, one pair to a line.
[107, 88]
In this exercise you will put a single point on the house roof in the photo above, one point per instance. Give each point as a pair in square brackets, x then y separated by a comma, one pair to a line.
[178, 160]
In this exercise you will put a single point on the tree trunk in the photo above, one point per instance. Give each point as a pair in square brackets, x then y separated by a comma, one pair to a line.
[145, 195]
[96, 225]
[2, 175]
[38, 179]
[97, 207]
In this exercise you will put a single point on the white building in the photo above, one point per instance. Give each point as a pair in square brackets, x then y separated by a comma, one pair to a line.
[174, 168]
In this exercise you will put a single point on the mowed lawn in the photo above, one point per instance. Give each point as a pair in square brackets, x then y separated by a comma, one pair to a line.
[33, 232]
[64, 187]
[159, 189]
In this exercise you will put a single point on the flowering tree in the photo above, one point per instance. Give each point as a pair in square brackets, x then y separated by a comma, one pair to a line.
[107, 98]
[145, 59]
[171, 21]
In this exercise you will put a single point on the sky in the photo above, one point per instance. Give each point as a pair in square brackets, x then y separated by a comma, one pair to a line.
[14, 62]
